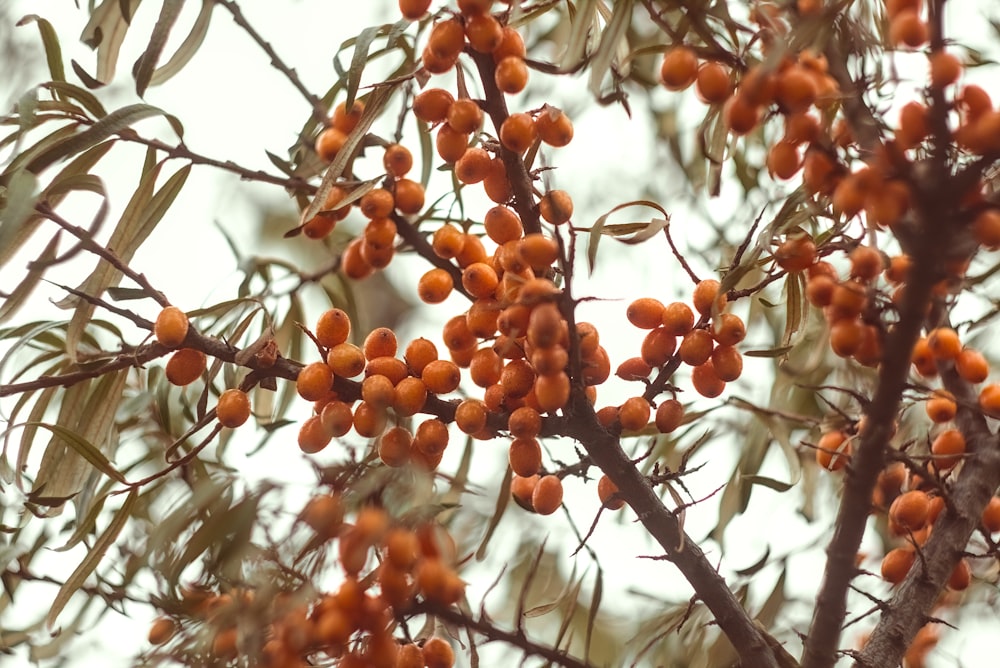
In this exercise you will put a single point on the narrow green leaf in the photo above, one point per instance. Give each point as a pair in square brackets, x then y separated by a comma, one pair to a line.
[598, 228]
[613, 47]
[87, 99]
[84, 526]
[503, 500]
[108, 126]
[773, 352]
[776, 485]
[90, 452]
[358, 61]
[53, 52]
[21, 199]
[27, 285]
[146, 64]
[93, 558]
[582, 23]
[182, 56]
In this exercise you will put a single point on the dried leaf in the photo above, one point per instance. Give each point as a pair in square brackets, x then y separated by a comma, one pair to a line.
[146, 64]
[105, 32]
[53, 52]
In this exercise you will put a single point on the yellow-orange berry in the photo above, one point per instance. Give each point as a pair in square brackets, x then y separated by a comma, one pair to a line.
[547, 495]
[380, 342]
[669, 415]
[408, 196]
[465, 116]
[511, 74]
[233, 408]
[337, 418]
[525, 456]
[678, 319]
[606, 491]
[346, 360]
[972, 366]
[645, 313]
[706, 380]
[438, 653]
[909, 510]
[484, 32]
[185, 366]
[162, 630]
[634, 413]
[897, 563]
[556, 207]
[314, 381]
[989, 399]
[833, 450]
[947, 448]
[333, 328]
[554, 127]
[944, 343]
[679, 69]
[394, 446]
[706, 295]
[517, 133]
[941, 407]
[171, 327]
[435, 286]
[431, 105]
[441, 376]
[991, 515]
[712, 83]
[313, 437]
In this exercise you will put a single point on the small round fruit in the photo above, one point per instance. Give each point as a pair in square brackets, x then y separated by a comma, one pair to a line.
[511, 75]
[333, 328]
[669, 415]
[162, 630]
[679, 69]
[233, 408]
[556, 207]
[314, 381]
[547, 495]
[909, 510]
[897, 563]
[606, 490]
[972, 366]
[435, 286]
[185, 366]
[171, 327]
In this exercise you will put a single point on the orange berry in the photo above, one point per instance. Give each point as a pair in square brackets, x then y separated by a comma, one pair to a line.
[538, 251]
[783, 160]
[470, 416]
[678, 319]
[185, 366]
[337, 418]
[923, 359]
[634, 368]
[447, 38]
[431, 437]
[669, 415]
[696, 347]
[706, 295]
[346, 360]
[801, 128]
[484, 32]
[606, 491]
[713, 84]
[740, 115]
[233, 408]
[438, 653]
[728, 363]
[525, 422]
[866, 263]
[597, 369]
[972, 366]
[796, 253]
[961, 576]
[472, 251]
[345, 119]
[369, 421]
[465, 116]
[441, 376]
[473, 166]
[162, 630]
[941, 407]
[496, 184]
[909, 510]
[634, 414]
[818, 170]
[456, 334]
[986, 228]
[729, 329]
[483, 316]
[378, 391]
[796, 89]
[907, 28]
[410, 396]
[333, 328]
[479, 280]
[556, 207]
[679, 69]
[944, 343]
[503, 225]
[432, 105]
[549, 361]
[313, 437]
[833, 451]
[991, 515]
[545, 325]
[819, 290]
[394, 447]
[353, 264]
[450, 144]
[897, 563]
[511, 74]
[658, 346]
[447, 241]
[329, 142]
[552, 391]
[419, 353]
[645, 313]
[435, 286]
[377, 203]
[512, 44]
[989, 399]
[547, 495]
[409, 196]
[171, 327]
[945, 68]
[517, 133]
[485, 367]
[525, 456]
[947, 448]
[380, 342]
[706, 380]
[314, 381]
[553, 126]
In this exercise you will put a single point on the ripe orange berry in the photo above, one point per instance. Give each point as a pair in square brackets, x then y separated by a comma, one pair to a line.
[394, 447]
[431, 105]
[820, 289]
[314, 381]
[796, 253]
[503, 224]
[986, 228]
[185, 366]
[658, 346]
[679, 69]
[345, 119]
[380, 342]
[470, 416]
[333, 328]
[441, 376]
[547, 495]
[511, 45]
[545, 325]
[740, 115]
[447, 241]
[634, 368]
[329, 142]
[435, 286]
[552, 391]
[944, 343]
[645, 313]
[450, 144]
[696, 347]
[549, 361]
[909, 510]
[991, 515]
[728, 363]
[923, 358]
[706, 380]
[171, 327]
[484, 32]
[553, 126]
[517, 133]
[729, 329]
[233, 408]
[606, 491]
[945, 68]
[353, 264]
[479, 280]
[866, 263]
[634, 414]
[511, 74]
[525, 456]
[947, 448]
[908, 29]
[897, 563]
[419, 353]
[473, 166]
[961, 576]
[346, 360]
[678, 319]
[941, 407]
[397, 160]
[818, 170]
[465, 116]
[972, 366]
[796, 89]
[989, 399]
[783, 160]
[446, 39]
[438, 653]
[833, 451]
[556, 207]
[408, 196]
[313, 437]
[410, 396]
[669, 415]
[369, 421]
[431, 437]
[538, 251]
[337, 418]
[713, 84]
[378, 391]
[706, 295]
[162, 630]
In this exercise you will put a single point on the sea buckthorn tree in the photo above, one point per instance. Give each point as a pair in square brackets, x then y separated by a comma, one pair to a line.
[820, 194]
